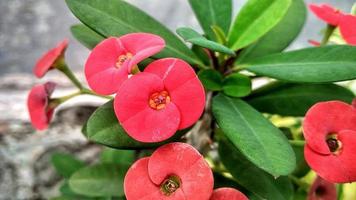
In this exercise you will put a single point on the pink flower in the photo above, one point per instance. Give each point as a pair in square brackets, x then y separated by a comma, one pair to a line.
[175, 171]
[322, 190]
[334, 17]
[227, 194]
[330, 133]
[111, 61]
[152, 105]
[50, 59]
[348, 28]
[38, 105]
[327, 13]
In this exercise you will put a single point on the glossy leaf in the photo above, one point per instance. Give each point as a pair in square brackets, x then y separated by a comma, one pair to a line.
[117, 17]
[213, 13]
[291, 99]
[66, 164]
[237, 85]
[104, 128]
[260, 183]
[190, 35]
[312, 65]
[202, 54]
[100, 180]
[109, 155]
[86, 36]
[279, 37]
[261, 142]
[211, 79]
[254, 20]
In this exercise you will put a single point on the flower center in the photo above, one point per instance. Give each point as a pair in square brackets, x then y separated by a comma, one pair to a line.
[170, 185]
[333, 143]
[122, 58]
[159, 100]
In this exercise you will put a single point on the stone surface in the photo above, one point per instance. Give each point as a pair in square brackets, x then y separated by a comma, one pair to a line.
[27, 29]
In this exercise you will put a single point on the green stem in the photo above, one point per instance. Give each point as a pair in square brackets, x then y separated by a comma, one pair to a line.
[329, 31]
[63, 67]
[297, 142]
[303, 185]
[90, 92]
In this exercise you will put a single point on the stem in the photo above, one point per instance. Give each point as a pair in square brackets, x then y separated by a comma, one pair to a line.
[63, 99]
[90, 92]
[303, 185]
[63, 67]
[329, 30]
[297, 142]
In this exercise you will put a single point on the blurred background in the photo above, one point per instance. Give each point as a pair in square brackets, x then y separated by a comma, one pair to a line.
[28, 28]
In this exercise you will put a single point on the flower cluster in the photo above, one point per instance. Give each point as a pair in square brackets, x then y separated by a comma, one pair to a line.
[330, 134]
[39, 103]
[150, 105]
[174, 171]
[336, 18]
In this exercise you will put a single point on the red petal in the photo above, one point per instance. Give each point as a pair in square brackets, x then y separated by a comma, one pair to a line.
[185, 88]
[227, 194]
[325, 118]
[136, 116]
[100, 69]
[44, 64]
[322, 190]
[184, 161]
[37, 103]
[348, 29]
[326, 13]
[137, 184]
[339, 168]
[142, 46]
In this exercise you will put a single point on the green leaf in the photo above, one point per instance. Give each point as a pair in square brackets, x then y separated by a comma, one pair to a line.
[312, 65]
[190, 35]
[86, 36]
[211, 79]
[280, 36]
[213, 13]
[290, 99]
[100, 180]
[201, 53]
[66, 164]
[254, 20]
[256, 137]
[104, 128]
[237, 85]
[219, 35]
[117, 18]
[109, 155]
[260, 183]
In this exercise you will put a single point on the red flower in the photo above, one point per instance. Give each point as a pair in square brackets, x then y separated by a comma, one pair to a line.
[326, 13]
[152, 105]
[111, 61]
[49, 59]
[322, 190]
[175, 171]
[348, 28]
[227, 194]
[330, 134]
[38, 105]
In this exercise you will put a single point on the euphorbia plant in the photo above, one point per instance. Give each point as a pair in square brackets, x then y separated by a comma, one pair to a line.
[184, 121]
